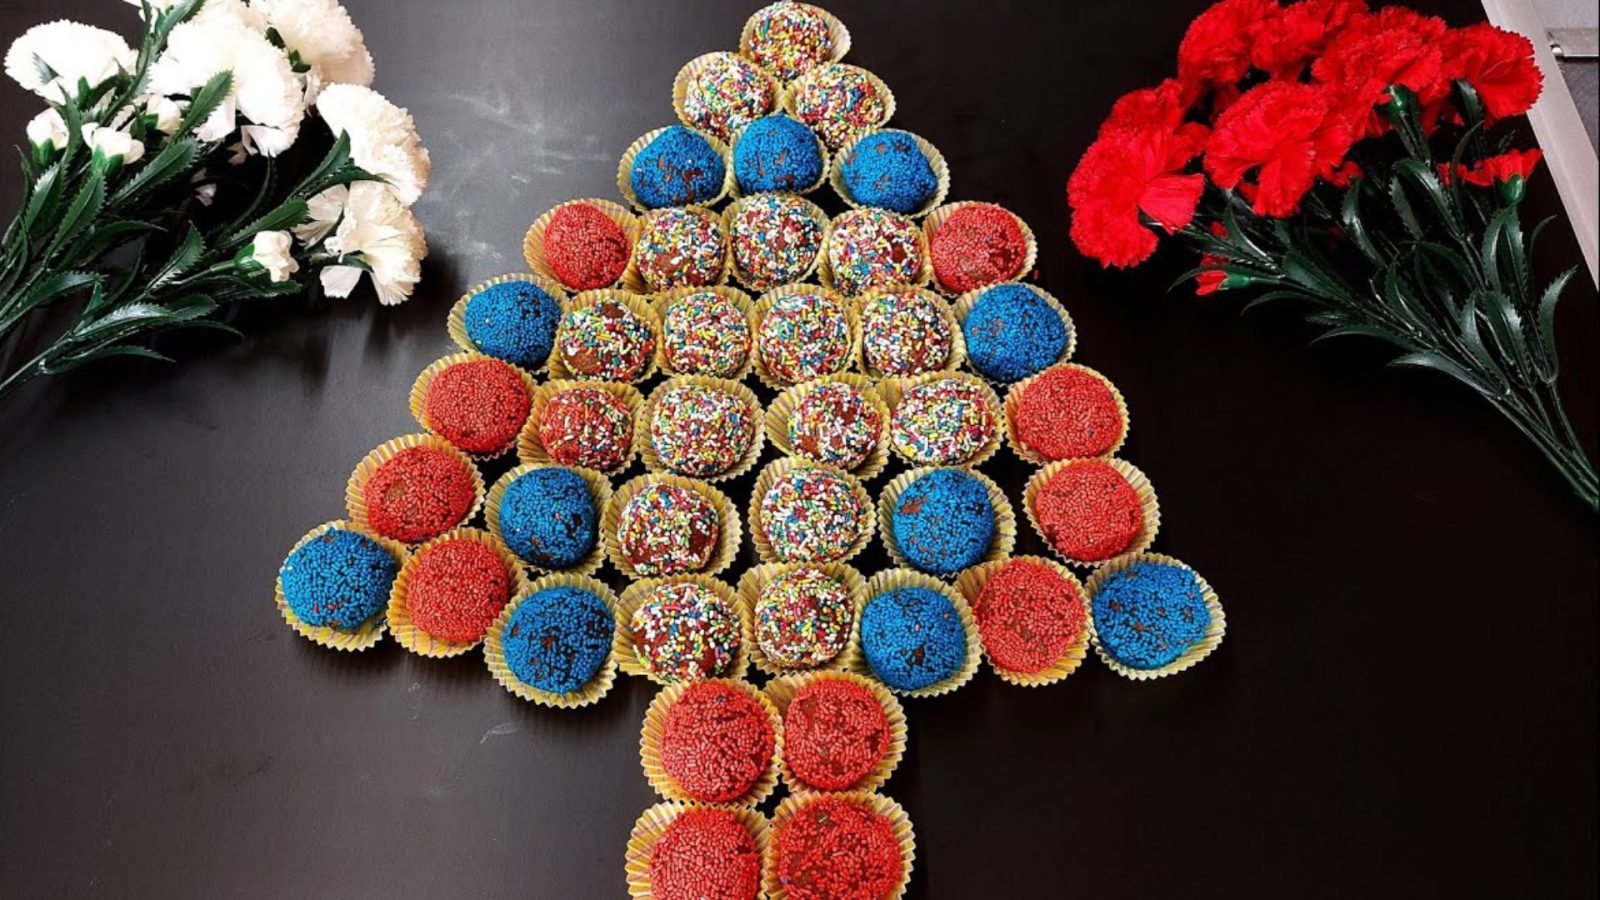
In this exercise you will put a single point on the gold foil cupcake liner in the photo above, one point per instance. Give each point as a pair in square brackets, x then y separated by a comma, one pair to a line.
[899, 822]
[755, 580]
[958, 342]
[936, 161]
[627, 655]
[494, 649]
[965, 302]
[1014, 399]
[664, 301]
[825, 272]
[763, 308]
[1005, 518]
[599, 493]
[896, 579]
[370, 632]
[691, 70]
[791, 92]
[634, 279]
[419, 396]
[643, 428]
[530, 446]
[1130, 473]
[653, 824]
[456, 323]
[781, 467]
[655, 727]
[729, 533]
[937, 218]
[533, 243]
[822, 153]
[625, 166]
[355, 488]
[636, 304]
[1209, 642]
[894, 390]
[410, 635]
[838, 35]
[970, 583]
[744, 278]
[781, 411]
[782, 691]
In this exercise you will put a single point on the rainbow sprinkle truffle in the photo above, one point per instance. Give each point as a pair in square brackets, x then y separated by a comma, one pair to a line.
[873, 248]
[1149, 614]
[548, 518]
[589, 427]
[888, 169]
[724, 92]
[678, 167]
[557, 639]
[777, 153]
[803, 618]
[834, 423]
[705, 333]
[943, 422]
[514, 321]
[913, 638]
[813, 515]
[339, 579]
[701, 431]
[681, 247]
[905, 332]
[837, 101]
[803, 336]
[943, 521]
[665, 529]
[788, 39]
[683, 632]
[606, 340]
[775, 238]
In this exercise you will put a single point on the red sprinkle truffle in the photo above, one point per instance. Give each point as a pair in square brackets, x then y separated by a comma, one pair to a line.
[589, 427]
[834, 733]
[456, 589]
[837, 847]
[586, 248]
[977, 246]
[705, 854]
[716, 742]
[419, 493]
[1069, 412]
[1028, 616]
[478, 405]
[1088, 511]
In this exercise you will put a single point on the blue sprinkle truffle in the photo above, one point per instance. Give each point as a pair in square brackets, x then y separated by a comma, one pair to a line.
[1012, 332]
[776, 153]
[943, 522]
[514, 321]
[912, 638]
[888, 170]
[547, 517]
[557, 639]
[1148, 614]
[679, 167]
[339, 579]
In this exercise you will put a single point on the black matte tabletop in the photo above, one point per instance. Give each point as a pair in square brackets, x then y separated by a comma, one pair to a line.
[1404, 704]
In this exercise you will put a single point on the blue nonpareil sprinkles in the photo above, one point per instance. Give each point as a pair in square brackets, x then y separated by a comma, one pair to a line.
[943, 522]
[514, 321]
[776, 153]
[1012, 332]
[679, 167]
[913, 638]
[1148, 614]
[889, 170]
[339, 579]
[547, 517]
[558, 638]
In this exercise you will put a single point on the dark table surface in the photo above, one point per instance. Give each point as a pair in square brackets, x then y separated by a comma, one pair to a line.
[1405, 703]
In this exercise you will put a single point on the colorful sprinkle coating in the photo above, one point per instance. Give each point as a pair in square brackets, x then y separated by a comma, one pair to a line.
[1148, 614]
[606, 340]
[976, 246]
[706, 334]
[681, 248]
[834, 424]
[803, 618]
[889, 170]
[872, 248]
[905, 332]
[943, 521]
[944, 422]
[547, 517]
[913, 638]
[684, 632]
[677, 168]
[1012, 332]
[835, 733]
[338, 579]
[419, 493]
[725, 93]
[813, 515]
[705, 854]
[457, 588]
[478, 405]
[716, 742]
[1029, 615]
[835, 848]
[668, 530]
[1069, 412]
[777, 153]
[589, 427]
[557, 639]
[514, 321]
[804, 336]
[837, 101]
[1088, 511]
[701, 431]
[789, 39]
[585, 248]
[776, 239]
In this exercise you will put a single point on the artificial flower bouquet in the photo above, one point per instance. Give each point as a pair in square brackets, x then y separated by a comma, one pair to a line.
[153, 184]
[1347, 160]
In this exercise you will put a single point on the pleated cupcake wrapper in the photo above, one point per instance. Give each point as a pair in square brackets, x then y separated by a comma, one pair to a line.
[647, 448]
[936, 220]
[1013, 400]
[825, 272]
[730, 535]
[456, 322]
[530, 447]
[599, 492]
[1005, 518]
[941, 170]
[625, 166]
[899, 822]
[763, 307]
[896, 579]
[663, 303]
[822, 174]
[494, 648]
[894, 390]
[533, 243]
[652, 825]
[965, 302]
[781, 410]
[691, 69]
[1209, 642]
[970, 583]
[1135, 478]
[634, 279]
[419, 397]
[756, 579]
[411, 636]
[636, 304]
[369, 633]
[627, 655]
[655, 728]
[958, 341]
[782, 691]
[838, 34]
[748, 281]
[355, 488]
[780, 467]
[791, 92]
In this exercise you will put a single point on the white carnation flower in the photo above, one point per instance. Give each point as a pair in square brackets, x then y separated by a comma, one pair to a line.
[272, 250]
[48, 129]
[323, 212]
[379, 230]
[264, 91]
[321, 36]
[212, 10]
[164, 113]
[383, 137]
[113, 145]
[51, 59]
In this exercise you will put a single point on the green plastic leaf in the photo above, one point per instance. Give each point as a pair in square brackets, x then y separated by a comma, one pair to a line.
[60, 285]
[88, 202]
[1350, 217]
[1424, 359]
[1369, 331]
[287, 214]
[1402, 208]
[174, 159]
[183, 259]
[206, 100]
[1546, 362]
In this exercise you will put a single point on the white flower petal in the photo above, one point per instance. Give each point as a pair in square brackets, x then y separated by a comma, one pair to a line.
[73, 52]
[383, 137]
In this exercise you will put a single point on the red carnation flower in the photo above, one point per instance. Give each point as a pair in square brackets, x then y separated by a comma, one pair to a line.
[1210, 281]
[1128, 175]
[1160, 107]
[1215, 52]
[1289, 134]
[1499, 64]
[1284, 44]
[1396, 46]
[1496, 169]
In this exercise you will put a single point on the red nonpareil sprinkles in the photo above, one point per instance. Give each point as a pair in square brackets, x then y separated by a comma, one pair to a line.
[1088, 511]
[585, 248]
[1028, 616]
[977, 246]
[834, 733]
[1067, 412]
[834, 848]
[717, 742]
[419, 493]
[478, 405]
[705, 854]
[456, 589]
